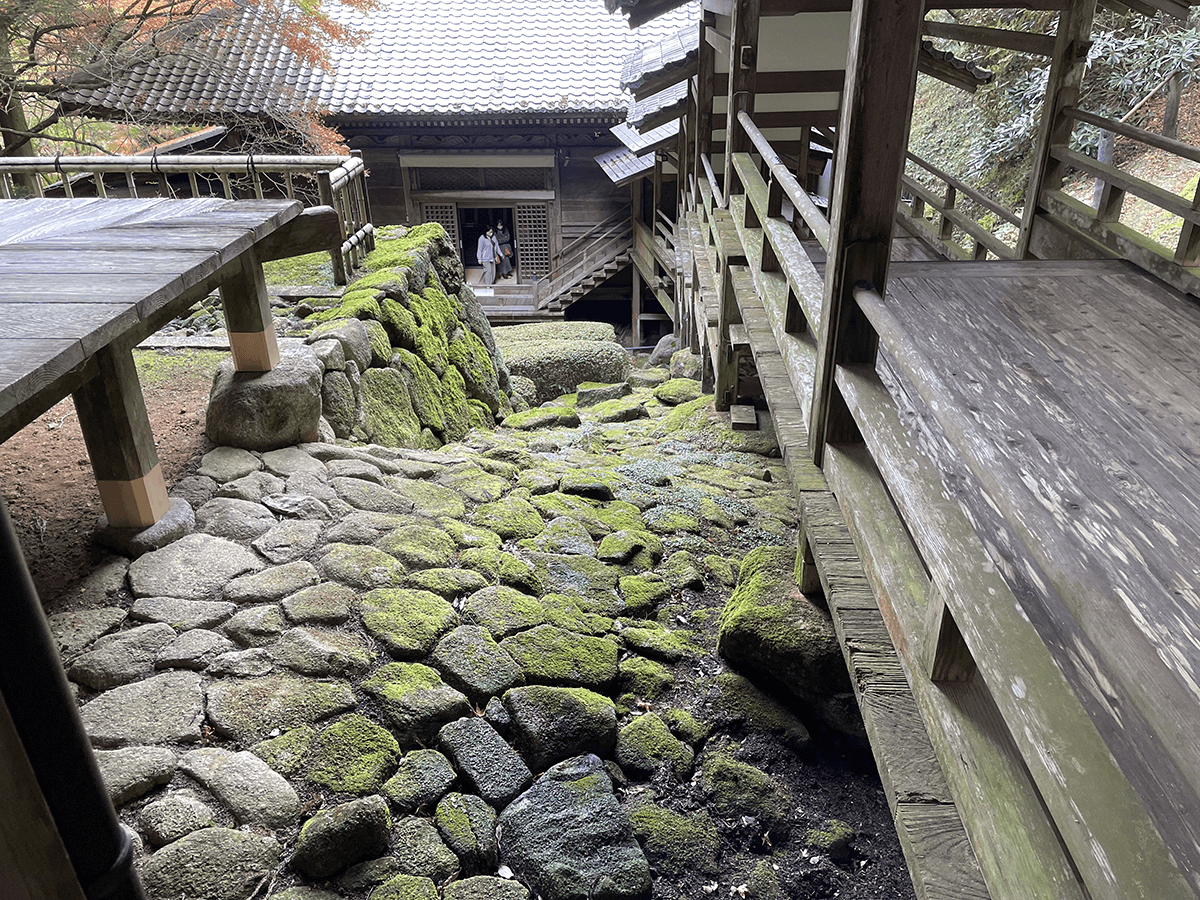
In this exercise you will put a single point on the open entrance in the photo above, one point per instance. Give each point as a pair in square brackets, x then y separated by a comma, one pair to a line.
[528, 223]
[476, 220]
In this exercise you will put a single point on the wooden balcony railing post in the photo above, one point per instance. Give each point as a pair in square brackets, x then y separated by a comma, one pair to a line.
[325, 192]
[946, 229]
[743, 68]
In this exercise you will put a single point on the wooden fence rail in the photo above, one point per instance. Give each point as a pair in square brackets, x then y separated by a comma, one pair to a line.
[950, 217]
[335, 181]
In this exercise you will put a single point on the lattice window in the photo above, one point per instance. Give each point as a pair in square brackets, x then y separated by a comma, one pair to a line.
[515, 179]
[448, 179]
[533, 239]
[446, 214]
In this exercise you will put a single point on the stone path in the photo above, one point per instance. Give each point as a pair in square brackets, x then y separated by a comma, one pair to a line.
[485, 672]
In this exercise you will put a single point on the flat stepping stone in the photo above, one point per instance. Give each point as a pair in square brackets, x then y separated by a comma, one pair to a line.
[352, 755]
[321, 604]
[362, 527]
[256, 626]
[252, 487]
[361, 567]
[510, 518]
[416, 700]
[503, 610]
[471, 660]
[242, 663]
[552, 655]
[407, 622]
[312, 651]
[355, 468]
[485, 760]
[600, 518]
[272, 584]
[371, 497]
[214, 863]
[133, 771]
[228, 464]
[255, 793]
[297, 505]
[291, 461]
[167, 820]
[193, 650]
[164, 709]
[182, 615]
[421, 779]
[249, 710]
[567, 836]
[448, 583]
[422, 546]
[564, 534]
[122, 657]
[288, 540]
[234, 518]
[73, 631]
[543, 417]
[581, 576]
[474, 483]
[193, 568]
[429, 499]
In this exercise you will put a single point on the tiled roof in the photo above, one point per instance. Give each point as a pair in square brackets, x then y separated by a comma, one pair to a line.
[657, 108]
[640, 11]
[651, 140]
[980, 75]
[675, 51]
[622, 165]
[420, 58]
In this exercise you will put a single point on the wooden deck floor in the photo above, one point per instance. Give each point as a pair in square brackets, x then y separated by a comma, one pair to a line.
[1063, 414]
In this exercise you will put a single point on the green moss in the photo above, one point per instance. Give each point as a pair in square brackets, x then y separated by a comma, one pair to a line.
[454, 405]
[431, 346]
[644, 677]
[723, 569]
[645, 747]
[677, 391]
[421, 779]
[419, 546]
[352, 755]
[624, 546]
[551, 655]
[470, 535]
[424, 389]
[287, 753]
[399, 322]
[406, 887]
[832, 837]
[390, 419]
[397, 247]
[503, 610]
[670, 520]
[159, 367]
[407, 622]
[469, 355]
[601, 519]
[474, 483]
[675, 844]
[360, 566]
[354, 305]
[643, 592]
[478, 414]
[735, 788]
[435, 308]
[572, 613]
[543, 417]
[683, 570]
[381, 346]
[448, 583]
[311, 269]
[502, 568]
[740, 700]
[690, 416]
[668, 646]
[395, 681]
[586, 577]
[623, 409]
[432, 500]
[763, 883]
[685, 726]
[510, 517]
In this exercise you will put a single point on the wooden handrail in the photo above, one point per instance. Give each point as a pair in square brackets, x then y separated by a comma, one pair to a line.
[967, 191]
[173, 164]
[1179, 148]
[718, 197]
[798, 197]
[619, 216]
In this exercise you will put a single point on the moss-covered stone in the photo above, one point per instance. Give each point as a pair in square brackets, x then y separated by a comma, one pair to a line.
[448, 583]
[683, 570]
[502, 568]
[399, 323]
[666, 519]
[833, 837]
[768, 626]
[429, 499]
[352, 755]
[646, 747]
[644, 678]
[660, 643]
[416, 700]
[625, 409]
[398, 247]
[360, 567]
[601, 519]
[509, 517]
[455, 411]
[421, 779]
[583, 576]
[468, 354]
[763, 883]
[419, 546]
[420, 850]
[623, 546]
[740, 701]
[675, 844]
[287, 753]
[643, 592]
[355, 304]
[503, 610]
[537, 481]
[468, 826]
[685, 726]
[470, 535]
[596, 484]
[478, 414]
[677, 391]
[723, 569]
[543, 417]
[381, 346]
[474, 483]
[551, 655]
[574, 614]
[407, 622]
[424, 389]
[734, 788]
[405, 887]
[250, 709]
[387, 409]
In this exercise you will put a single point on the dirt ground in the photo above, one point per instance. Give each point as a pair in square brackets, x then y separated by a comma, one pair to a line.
[47, 481]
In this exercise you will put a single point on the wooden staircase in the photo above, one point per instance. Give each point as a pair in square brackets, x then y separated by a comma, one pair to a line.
[586, 262]
[597, 277]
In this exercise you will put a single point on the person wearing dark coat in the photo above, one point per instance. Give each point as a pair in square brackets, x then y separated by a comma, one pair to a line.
[505, 242]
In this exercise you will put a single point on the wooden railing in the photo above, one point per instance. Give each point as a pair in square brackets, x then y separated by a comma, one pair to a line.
[950, 217]
[335, 181]
[1177, 262]
[584, 255]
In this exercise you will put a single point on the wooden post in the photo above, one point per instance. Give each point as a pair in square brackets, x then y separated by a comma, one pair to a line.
[705, 69]
[1171, 113]
[635, 306]
[872, 137]
[325, 192]
[116, 430]
[248, 316]
[743, 67]
[1071, 46]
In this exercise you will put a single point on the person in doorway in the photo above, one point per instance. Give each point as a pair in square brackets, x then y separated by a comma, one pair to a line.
[487, 254]
[505, 242]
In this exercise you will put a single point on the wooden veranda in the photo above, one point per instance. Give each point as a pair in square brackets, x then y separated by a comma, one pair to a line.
[995, 441]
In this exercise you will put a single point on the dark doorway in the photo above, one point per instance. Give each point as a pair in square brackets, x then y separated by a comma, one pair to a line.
[474, 221]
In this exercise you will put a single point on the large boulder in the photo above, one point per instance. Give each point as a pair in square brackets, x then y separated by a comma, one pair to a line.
[266, 410]
[558, 367]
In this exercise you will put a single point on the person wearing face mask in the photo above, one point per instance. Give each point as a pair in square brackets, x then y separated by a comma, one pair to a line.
[487, 254]
[505, 242]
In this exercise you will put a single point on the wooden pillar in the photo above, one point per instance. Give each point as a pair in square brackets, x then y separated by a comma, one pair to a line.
[635, 306]
[743, 67]
[116, 429]
[881, 74]
[1071, 46]
[248, 317]
[703, 88]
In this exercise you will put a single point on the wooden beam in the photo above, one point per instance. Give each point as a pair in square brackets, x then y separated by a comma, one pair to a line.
[248, 317]
[1020, 41]
[944, 70]
[1071, 45]
[702, 89]
[116, 430]
[743, 67]
[872, 138]
[313, 230]
[788, 119]
[817, 81]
